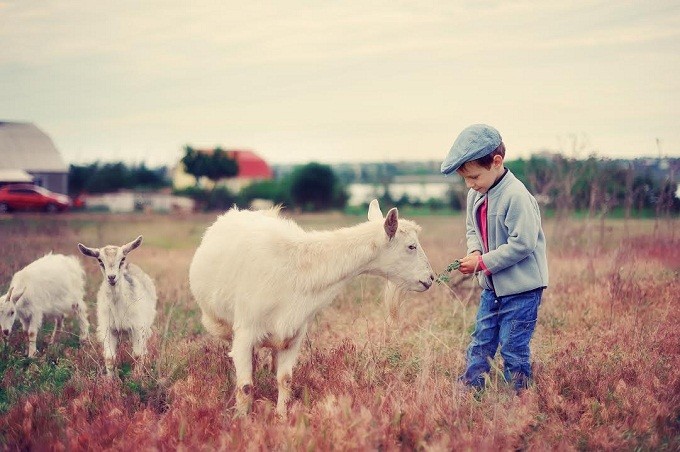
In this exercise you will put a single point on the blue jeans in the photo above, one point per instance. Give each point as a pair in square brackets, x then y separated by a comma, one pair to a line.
[509, 322]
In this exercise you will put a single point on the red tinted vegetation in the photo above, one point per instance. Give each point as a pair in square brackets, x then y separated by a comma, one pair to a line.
[606, 356]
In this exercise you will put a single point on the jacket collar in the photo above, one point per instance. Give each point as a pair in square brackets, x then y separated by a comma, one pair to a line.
[501, 184]
[505, 171]
[497, 188]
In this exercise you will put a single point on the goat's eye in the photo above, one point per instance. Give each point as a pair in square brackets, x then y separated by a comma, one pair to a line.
[412, 247]
[101, 264]
[121, 263]
[11, 313]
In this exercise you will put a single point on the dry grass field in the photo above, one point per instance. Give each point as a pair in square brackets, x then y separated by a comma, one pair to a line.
[606, 353]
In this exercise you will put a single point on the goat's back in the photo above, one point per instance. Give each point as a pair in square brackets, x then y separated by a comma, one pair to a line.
[244, 255]
[53, 283]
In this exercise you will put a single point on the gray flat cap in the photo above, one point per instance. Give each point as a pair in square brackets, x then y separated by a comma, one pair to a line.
[473, 142]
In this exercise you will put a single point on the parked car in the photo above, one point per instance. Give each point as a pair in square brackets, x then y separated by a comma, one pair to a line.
[31, 197]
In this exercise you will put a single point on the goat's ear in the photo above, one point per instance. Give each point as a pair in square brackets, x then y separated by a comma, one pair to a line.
[132, 245]
[8, 295]
[392, 222]
[88, 251]
[374, 212]
[14, 297]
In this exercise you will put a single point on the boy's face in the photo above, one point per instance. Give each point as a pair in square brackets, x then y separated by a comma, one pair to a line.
[478, 177]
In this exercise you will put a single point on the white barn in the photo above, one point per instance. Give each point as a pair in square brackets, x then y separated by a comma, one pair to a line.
[25, 148]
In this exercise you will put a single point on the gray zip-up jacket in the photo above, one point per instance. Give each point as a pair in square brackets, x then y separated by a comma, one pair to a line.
[517, 256]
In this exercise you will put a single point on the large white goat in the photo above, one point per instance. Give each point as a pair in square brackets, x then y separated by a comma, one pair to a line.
[126, 300]
[265, 278]
[52, 286]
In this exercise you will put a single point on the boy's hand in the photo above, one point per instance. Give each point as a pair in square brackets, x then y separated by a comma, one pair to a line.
[470, 263]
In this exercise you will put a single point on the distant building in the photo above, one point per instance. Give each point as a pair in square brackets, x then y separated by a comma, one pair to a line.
[251, 168]
[25, 148]
[130, 201]
[14, 176]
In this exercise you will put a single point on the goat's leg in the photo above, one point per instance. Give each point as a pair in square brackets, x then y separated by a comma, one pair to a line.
[32, 331]
[81, 311]
[58, 324]
[285, 361]
[25, 324]
[109, 344]
[242, 355]
[139, 340]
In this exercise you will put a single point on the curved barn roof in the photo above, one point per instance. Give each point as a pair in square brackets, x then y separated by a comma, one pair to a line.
[251, 164]
[24, 146]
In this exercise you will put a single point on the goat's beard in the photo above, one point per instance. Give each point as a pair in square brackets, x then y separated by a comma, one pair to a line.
[393, 299]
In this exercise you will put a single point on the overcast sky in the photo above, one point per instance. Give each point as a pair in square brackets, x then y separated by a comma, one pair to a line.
[341, 81]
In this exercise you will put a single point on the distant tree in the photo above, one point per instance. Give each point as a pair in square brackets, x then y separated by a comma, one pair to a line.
[630, 194]
[78, 177]
[219, 198]
[456, 196]
[98, 178]
[194, 163]
[220, 165]
[316, 187]
[386, 199]
[141, 176]
[518, 168]
[215, 166]
[267, 189]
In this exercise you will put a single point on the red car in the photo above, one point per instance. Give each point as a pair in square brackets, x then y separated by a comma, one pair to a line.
[31, 197]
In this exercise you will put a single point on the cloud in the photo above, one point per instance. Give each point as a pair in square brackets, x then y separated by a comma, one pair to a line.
[376, 77]
[178, 35]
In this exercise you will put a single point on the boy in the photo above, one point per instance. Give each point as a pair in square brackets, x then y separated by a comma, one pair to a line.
[506, 247]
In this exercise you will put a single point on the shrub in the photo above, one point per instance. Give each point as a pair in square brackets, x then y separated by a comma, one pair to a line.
[315, 187]
[219, 198]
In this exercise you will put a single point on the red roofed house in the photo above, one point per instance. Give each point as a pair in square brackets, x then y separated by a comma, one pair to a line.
[251, 168]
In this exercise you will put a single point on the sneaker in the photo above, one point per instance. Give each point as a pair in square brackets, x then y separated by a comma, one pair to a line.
[520, 382]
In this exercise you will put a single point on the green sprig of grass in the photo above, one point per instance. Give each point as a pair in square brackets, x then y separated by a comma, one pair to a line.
[445, 276]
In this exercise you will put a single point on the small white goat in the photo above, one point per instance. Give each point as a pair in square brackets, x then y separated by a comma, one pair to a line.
[266, 278]
[52, 286]
[126, 300]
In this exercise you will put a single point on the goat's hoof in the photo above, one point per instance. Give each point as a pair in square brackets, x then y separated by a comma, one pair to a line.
[244, 400]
